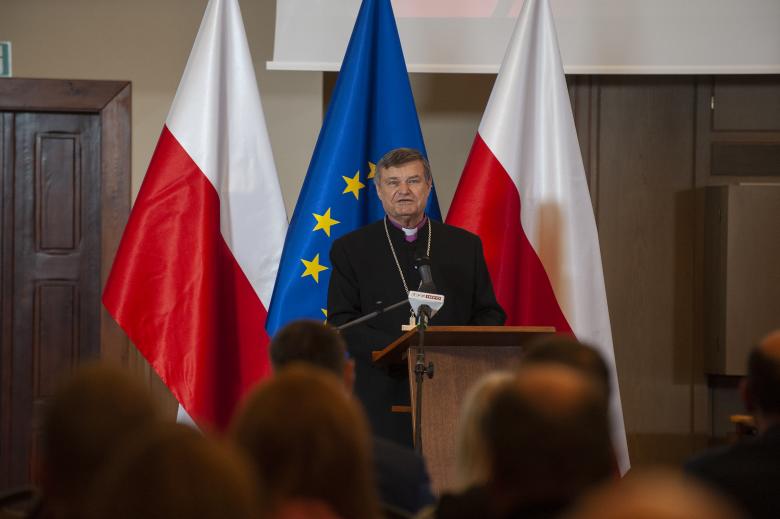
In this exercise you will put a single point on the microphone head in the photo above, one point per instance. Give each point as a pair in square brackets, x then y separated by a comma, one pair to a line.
[421, 259]
[423, 265]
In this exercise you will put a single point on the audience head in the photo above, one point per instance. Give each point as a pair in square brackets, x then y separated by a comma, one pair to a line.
[170, 470]
[761, 388]
[315, 343]
[89, 417]
[309, 440]
[548, 437]
[567, 350]
[471, 456]
[659, 494]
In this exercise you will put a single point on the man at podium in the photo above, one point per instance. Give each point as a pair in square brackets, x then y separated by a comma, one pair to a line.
[378, 263]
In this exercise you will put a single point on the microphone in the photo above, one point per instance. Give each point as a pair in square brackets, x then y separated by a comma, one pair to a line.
[423, 265]
[424, 301]
[425, 304]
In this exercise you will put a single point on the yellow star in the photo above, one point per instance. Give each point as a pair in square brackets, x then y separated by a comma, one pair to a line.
[325, 313]
[354, 185]
[324, 222]
[313, 268]
[371, 170]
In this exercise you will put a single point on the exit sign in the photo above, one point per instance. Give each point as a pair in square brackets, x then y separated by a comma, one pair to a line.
[5, 59]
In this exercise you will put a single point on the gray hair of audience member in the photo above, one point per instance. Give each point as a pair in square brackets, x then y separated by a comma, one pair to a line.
[762, 384]
[311, 342]
[472, 464]
[399, 157]
[567, 350]
[309, 440]
[171, 470]
[548, 436]
[654, 494]
[88, 418]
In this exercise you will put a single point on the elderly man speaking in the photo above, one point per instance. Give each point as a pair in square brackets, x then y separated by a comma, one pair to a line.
[377, 263]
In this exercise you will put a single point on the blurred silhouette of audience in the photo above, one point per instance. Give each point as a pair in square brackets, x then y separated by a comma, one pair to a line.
[656, 494]
[749, 471]
[401, 476]
[309, 443]
[531, 444]
[171, 470]
[88, 419]
[472, 467]
[567, 350]
[547, 439]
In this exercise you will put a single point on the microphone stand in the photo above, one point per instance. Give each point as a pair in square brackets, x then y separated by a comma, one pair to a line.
[420, 369]
[373, 314]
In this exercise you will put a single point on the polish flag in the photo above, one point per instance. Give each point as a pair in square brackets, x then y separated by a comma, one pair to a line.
[524, 192]
[195, 269]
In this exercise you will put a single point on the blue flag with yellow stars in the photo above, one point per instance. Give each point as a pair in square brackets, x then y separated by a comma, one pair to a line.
[371, 112]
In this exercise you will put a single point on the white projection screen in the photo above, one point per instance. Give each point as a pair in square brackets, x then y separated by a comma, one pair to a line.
[595, 36]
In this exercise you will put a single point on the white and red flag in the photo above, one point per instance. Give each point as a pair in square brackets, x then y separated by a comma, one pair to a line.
[195, 269]
[524, 192]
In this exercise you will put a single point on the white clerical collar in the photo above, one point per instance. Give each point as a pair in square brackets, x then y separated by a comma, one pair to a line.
[410, 233]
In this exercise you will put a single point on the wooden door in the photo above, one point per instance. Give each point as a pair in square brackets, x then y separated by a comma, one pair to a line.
[65, 196]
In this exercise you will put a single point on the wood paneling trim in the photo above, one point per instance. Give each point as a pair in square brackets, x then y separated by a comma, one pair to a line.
[746, 103]
[57, 95]
[745, 159]
[750, 167]
[57, 192]
[115, 204]
[584, 97]
[55, 333]
[6, 287]
[703, 130]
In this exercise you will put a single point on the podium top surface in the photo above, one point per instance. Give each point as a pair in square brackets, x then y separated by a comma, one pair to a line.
[468, 336]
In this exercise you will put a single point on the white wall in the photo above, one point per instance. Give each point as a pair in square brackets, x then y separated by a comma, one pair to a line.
[148, 41]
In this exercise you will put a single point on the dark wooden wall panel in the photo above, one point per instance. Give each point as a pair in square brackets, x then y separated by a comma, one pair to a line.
[57, 180]
[746, 103]
[737, 129]
[55, 334]
[645, 148]
[6, 301]
[745, 159]
[742, 272]
[56, 290]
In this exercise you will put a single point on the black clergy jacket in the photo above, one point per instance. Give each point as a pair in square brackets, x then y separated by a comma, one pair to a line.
[365, 273]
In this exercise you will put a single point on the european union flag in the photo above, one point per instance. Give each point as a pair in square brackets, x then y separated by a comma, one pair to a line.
[371, 112]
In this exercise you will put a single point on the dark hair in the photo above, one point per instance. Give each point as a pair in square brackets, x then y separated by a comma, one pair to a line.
[308, 439]
[567, 350]
[171, 470]
[311, 342]
[89, 417]
[763, 379]
[548, 435]
[401, 156]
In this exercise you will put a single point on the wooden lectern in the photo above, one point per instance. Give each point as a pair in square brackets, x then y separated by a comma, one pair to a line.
[461, 355]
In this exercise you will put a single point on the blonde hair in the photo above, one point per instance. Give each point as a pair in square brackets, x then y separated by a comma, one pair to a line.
[472, 459]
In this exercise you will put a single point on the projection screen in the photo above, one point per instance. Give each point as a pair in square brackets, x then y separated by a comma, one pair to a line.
[595, 36]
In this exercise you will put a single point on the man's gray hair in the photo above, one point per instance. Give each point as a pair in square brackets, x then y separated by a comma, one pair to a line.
[399, 157]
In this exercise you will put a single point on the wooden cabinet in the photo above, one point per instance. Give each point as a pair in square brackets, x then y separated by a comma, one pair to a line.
[741, 272]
